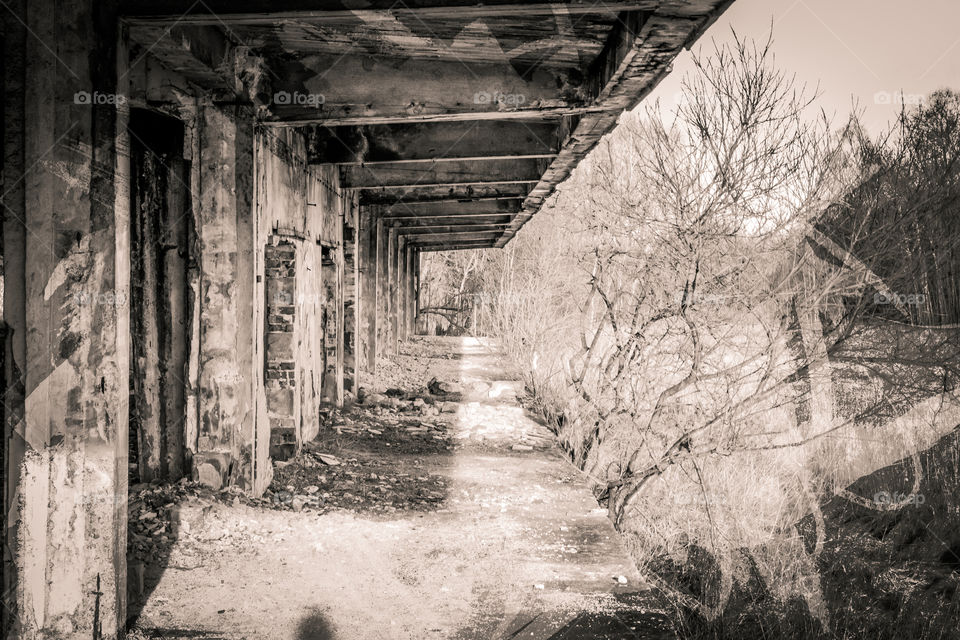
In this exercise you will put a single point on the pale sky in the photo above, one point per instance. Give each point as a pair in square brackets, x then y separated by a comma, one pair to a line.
[867, 50]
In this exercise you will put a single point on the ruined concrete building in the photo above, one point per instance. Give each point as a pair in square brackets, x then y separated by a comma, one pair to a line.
[213, 217]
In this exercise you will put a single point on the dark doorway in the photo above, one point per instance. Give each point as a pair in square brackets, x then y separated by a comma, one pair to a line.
[160, 260]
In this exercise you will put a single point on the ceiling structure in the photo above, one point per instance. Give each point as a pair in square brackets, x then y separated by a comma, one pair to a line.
[453, 120]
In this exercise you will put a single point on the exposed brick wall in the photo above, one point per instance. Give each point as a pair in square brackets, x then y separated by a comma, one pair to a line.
[280, 266]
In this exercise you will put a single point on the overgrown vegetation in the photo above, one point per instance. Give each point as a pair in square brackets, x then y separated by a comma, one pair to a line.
[733, 311]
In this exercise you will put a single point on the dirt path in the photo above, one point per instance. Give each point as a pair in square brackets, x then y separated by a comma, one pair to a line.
[506, 543]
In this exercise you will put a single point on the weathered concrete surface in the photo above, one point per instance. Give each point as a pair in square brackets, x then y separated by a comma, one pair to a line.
[65, 249]
[519, 543]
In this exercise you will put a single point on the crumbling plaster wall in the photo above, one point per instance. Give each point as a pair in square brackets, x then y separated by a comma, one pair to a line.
[302, 205]
[66, 285]
[66, 280]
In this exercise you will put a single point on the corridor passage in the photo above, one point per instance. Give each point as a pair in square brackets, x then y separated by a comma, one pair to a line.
[498, 536]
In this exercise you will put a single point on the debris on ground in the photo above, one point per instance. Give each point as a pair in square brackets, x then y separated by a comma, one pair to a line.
[431, 513]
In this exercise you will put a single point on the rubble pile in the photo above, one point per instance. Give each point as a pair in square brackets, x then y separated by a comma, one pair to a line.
[346, 467]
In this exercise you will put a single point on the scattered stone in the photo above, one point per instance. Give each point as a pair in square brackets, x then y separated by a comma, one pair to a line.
[297, 502]
[311, 489]
[479, 386]
[328, 459]
[438, 388]
[621, 579]
[374, 399]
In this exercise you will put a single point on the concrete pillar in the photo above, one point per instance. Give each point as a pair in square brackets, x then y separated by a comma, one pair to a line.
[66, 263]
[402, 289]
[383, 287]
[351, 285]
[416, 289]
[367, 295]
[393, 278]
[408, 292]
[227, 450]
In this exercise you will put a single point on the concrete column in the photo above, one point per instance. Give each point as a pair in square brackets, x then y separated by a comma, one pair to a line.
[402, 289]
[383, 287]
[351, 285]
[408, 294]
[367, 294]
[66, 262]
[226, 448]
[416, 289]
[393, 278]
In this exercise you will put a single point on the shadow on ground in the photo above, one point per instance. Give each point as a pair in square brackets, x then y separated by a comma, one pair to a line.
[314, 627]
[150, 540]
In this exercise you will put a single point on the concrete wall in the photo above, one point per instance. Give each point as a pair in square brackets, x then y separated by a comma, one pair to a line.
[301, 206]
[66, 285]
[67, 258]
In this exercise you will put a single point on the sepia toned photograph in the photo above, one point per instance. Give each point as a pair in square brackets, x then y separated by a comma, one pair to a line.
[480, 320]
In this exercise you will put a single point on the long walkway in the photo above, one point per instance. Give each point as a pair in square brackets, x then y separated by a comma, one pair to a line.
[509, 542]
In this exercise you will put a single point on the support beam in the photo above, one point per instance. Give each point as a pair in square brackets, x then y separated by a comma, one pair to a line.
[417, 89]
[402, 292]
[455, 236]
[458, 246]
[408, 195]
[351, 300]
[383, 288]
[367, 313]
[408, 293]
[416, 287]
[393, 310]
[429, 232]
[453, 172]
[206, 57]
[453, 208]
[232, 12]
[434, 224]
[427, 141]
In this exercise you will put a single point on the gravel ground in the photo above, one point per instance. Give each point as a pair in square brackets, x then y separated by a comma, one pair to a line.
[415, 515]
